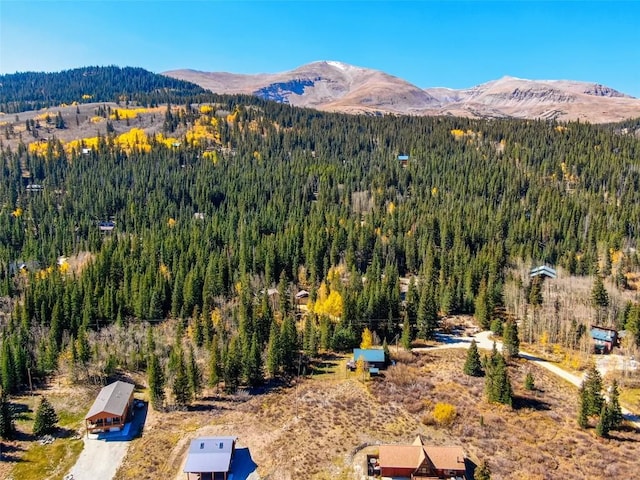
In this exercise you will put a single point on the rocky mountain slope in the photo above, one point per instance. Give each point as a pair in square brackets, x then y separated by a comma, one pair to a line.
[337, 86]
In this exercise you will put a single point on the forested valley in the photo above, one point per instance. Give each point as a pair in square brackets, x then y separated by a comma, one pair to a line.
[216, 223]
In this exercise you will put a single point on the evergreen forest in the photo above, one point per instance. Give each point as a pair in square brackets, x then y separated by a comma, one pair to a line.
[24, 91]
[218, 234]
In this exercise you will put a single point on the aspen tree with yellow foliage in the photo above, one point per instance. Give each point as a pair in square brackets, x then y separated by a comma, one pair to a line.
[367, 339]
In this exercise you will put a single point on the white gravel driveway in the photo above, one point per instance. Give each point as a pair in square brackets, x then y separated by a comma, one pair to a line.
[99, 459]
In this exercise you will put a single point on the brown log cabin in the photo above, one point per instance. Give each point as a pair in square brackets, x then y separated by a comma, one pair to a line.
[111, 408]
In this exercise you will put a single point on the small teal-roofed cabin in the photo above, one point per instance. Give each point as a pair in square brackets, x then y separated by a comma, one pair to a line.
[403, 159]
[604, 339]
[373, 358]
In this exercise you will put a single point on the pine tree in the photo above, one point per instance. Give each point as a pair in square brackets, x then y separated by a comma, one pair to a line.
[181, 387]
[194, 374]
[482, 310]
[613, 407]
[472, 364]
[7, 368]
[502, 386]
[427, 314]
[45, 419]
[232, 365]
[256, 376]
[273, 350]
[591, 392]
[511, 343]
[497, 383]
[288, 343]
[83, 348]
[528, 381]
[214, 362]
[406, 333]
[309, 342]
[7, 425]
[534, 297]
[387, 353]
[583, 418]
[604, 422]
[155, 378]
[599, 295]
[482, 472]
[155, 375]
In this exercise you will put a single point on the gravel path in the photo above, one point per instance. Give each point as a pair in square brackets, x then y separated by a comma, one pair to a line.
[101, 458]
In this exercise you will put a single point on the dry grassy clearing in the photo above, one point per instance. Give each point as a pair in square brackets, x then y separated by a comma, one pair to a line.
[538, 439]
[25, 458]
[312, 430]
[303, 431]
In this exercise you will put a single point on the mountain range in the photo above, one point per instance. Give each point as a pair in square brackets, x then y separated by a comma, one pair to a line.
[340, 87]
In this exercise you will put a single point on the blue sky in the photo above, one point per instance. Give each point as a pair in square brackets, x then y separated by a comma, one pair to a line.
[429, 43]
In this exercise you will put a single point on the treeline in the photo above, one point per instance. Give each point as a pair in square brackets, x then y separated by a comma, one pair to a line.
[35, 90]
[301, 199]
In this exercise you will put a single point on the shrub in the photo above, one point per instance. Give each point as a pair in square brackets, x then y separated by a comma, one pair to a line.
[444, 414]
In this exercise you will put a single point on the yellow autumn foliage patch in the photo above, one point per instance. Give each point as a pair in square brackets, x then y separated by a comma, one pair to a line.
[63, 267]
[168, 142]
[86, 96]
[335, 274]
[232, 117]
[211, 155]
[367, 339]
[200, 135]
[329, 302]
[206, 109]
[96, 119]
[38, 148]
[444, 414]
[91, 142]
[164, 271]
[124, 114]
[391, 208]
[17, 212]
[133, 139]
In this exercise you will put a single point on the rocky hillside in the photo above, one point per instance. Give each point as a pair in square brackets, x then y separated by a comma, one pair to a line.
[341, 87]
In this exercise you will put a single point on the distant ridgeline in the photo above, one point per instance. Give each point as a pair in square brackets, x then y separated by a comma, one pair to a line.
[20, 92]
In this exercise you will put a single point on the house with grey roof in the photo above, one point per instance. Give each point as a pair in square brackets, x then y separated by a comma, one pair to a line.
[209, 458]
[543, 271]
[111, 408]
